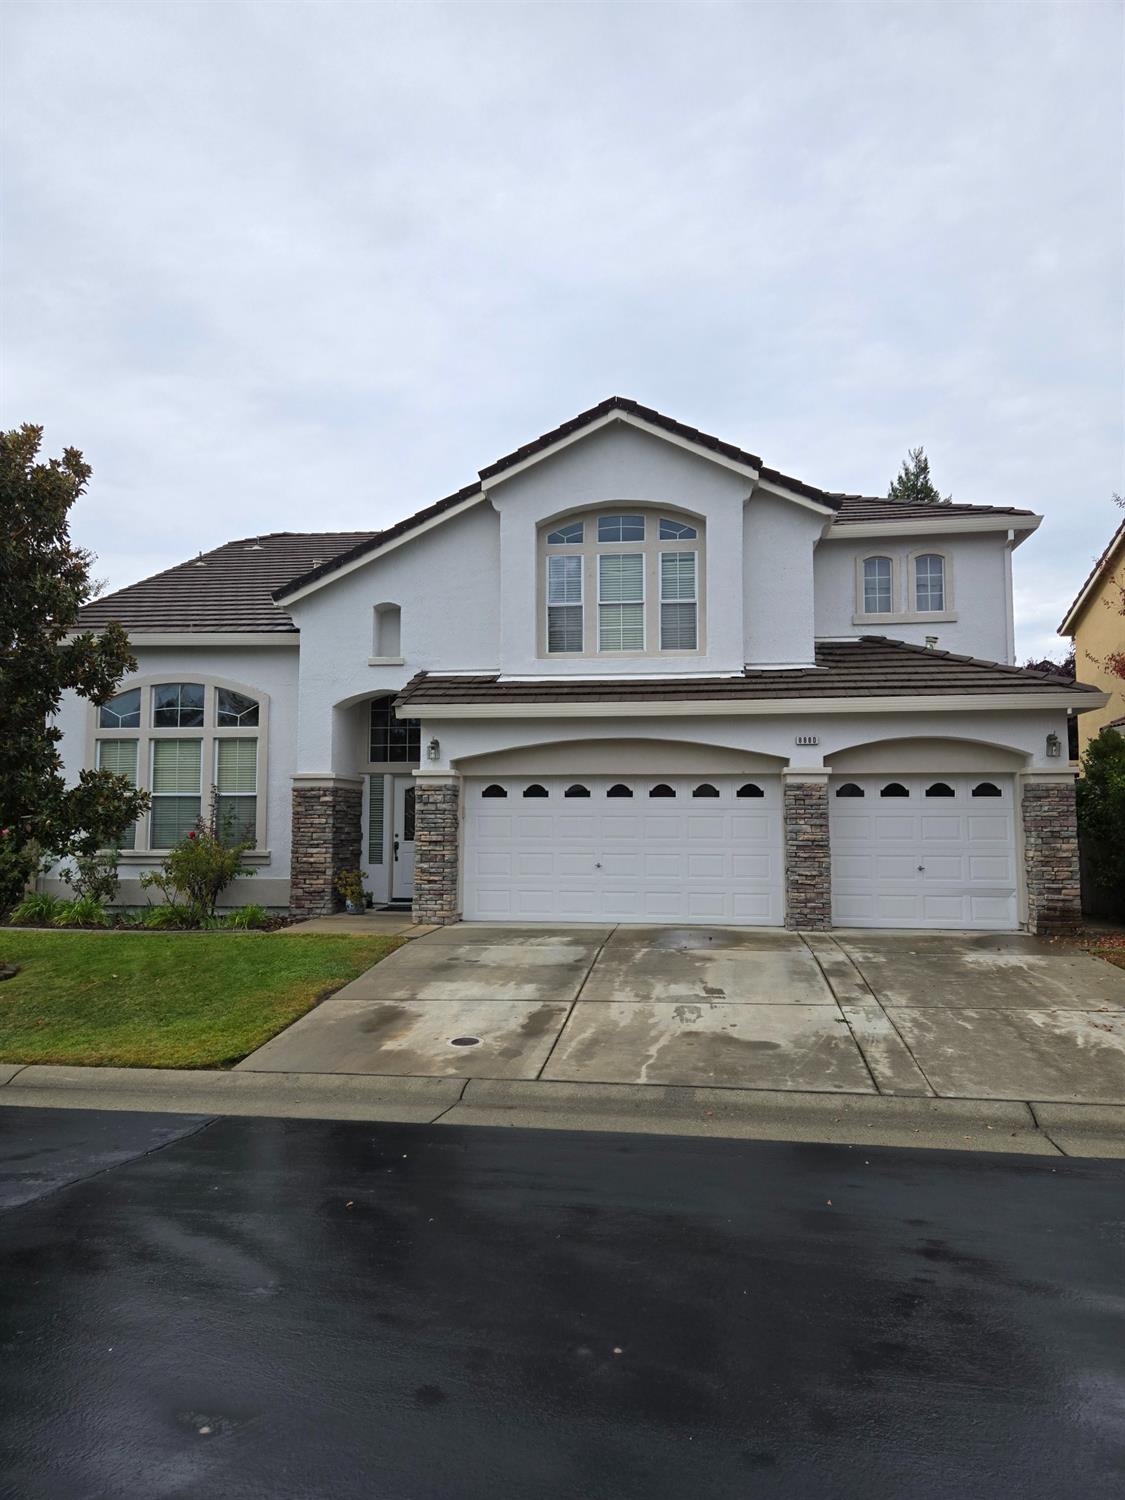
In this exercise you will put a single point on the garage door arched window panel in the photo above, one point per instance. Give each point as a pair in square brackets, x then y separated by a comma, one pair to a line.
[894, 789]
[878, 586]
[705, 789]
[495, 790]
[619, 789]
[577, 790]
[850, 789]
[662, 789]
[987, 789]
[535, 790]
[751, 789]
[940, 789]
[929, 583]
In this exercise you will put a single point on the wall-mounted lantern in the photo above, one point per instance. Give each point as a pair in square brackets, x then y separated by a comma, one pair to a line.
[433, 750]
[1054, 746]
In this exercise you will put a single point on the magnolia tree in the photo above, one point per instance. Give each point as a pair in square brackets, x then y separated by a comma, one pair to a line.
[44, 581]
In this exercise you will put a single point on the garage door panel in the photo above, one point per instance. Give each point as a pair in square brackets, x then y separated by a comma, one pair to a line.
[626, 859]
[919, 865]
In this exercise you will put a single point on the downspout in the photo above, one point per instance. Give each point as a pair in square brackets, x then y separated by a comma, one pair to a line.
[1009, 601]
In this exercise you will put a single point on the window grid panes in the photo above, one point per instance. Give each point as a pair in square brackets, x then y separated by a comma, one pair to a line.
[566, 535]
[877, 586]
[177, 705]
[929, 582]
[235, 710]
[621, 528]
[393, 740]
[676, 531]
[122, 712]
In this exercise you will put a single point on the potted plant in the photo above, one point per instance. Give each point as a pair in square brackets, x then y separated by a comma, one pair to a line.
[349, 884]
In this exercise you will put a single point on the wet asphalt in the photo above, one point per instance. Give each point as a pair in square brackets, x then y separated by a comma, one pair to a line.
[267, 1308]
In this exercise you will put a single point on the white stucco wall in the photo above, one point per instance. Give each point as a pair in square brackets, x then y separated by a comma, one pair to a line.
[976, 584]
[620, 465]
[446, 585]
[778, 581]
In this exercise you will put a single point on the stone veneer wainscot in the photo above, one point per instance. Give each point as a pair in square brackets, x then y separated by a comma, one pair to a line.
[808, 855]
[1050, 851]
[327, 838]
[437, 822]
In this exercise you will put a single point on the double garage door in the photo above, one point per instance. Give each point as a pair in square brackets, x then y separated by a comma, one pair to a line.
[907, 851]
[604, 849]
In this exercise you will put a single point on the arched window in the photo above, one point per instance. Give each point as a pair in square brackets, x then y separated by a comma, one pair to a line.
[750, 790]
[986, 789]
[495, 790]
[850, 789]
[617, 581]
[894, 789]
[186, 743]
[535, 790]
[878, 586]
[619, 790]
[929, 582]
[577, 790]
[705, 789]
[939, 789]
[387, 635]
[662, 789]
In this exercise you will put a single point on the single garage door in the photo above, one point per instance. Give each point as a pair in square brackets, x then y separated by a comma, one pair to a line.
[624, 849]
[923, 851]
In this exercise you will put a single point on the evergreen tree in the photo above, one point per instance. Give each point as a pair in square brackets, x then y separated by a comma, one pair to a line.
[44, 581]
[914, 483]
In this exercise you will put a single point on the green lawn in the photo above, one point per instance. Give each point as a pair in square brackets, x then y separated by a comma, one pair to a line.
[165, 1000]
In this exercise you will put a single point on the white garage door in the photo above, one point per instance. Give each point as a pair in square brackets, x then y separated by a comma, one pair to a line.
[923, 851]
[629, 850]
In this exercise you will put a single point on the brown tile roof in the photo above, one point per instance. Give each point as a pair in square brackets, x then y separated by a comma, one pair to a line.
[230, 588]
[871, 667]
[856, 509]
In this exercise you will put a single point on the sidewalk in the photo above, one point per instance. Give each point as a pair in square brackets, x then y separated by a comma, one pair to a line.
[1029, 1127]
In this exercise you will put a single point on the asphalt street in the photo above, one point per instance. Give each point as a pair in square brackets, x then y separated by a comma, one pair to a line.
[293, 1308]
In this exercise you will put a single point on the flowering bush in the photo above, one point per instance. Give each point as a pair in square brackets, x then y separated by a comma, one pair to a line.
[197, 871]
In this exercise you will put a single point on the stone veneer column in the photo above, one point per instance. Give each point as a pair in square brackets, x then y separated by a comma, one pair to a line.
[437, 822]
[808, 863]
[327, 838]
[1050, 854]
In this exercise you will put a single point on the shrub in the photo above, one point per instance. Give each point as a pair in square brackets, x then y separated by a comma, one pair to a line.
[37, 909]
[85, 912]
[93, 875]
[167, 916]
[198, 870]
[249, 916]
[1101, 810]
[18, 863]
[349, 884]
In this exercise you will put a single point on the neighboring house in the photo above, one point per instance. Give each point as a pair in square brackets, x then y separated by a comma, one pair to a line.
[1096, 625]
[628, 674]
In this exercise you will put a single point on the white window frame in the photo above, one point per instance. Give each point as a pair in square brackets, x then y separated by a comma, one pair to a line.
[651, 549]
[146, 735]
[693, 601]
[568, 550]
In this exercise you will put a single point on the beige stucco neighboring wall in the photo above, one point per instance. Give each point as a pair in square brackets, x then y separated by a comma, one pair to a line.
[1100, 629]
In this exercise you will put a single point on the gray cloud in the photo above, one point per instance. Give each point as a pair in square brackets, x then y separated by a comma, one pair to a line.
[286, 265]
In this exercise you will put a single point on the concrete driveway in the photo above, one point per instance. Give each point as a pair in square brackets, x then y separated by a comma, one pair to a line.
[961, 1015]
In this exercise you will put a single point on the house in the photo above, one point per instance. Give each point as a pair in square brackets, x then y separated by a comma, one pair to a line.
[1095, 624]
[628, 673]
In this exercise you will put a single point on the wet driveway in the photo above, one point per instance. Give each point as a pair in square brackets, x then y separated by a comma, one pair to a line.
[280, 1310]
[962, 1015]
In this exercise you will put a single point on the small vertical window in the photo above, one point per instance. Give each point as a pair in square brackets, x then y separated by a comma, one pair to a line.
[564, 603]
[678, 606]
[376, 815]
[929, 582]
[877, 585]
[387, 634]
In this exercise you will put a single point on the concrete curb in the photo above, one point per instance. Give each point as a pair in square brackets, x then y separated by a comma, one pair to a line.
[1050, 1129]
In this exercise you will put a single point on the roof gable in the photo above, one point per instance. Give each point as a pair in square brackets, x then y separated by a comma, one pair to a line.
[1099, 571]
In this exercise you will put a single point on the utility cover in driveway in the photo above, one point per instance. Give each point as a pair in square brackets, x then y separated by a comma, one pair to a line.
[629, 849]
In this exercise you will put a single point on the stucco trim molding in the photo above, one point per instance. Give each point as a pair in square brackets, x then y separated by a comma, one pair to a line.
[941, 525]
[326, 779]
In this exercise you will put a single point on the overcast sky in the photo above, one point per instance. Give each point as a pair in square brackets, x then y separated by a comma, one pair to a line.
[304, 266]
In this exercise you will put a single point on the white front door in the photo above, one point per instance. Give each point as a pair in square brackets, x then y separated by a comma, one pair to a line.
[628, 849]
[923, 851]
[402, 840]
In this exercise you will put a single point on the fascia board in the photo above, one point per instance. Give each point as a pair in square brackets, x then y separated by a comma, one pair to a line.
[949, 525]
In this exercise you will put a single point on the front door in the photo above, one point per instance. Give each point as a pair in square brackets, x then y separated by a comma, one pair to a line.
[402, 847]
